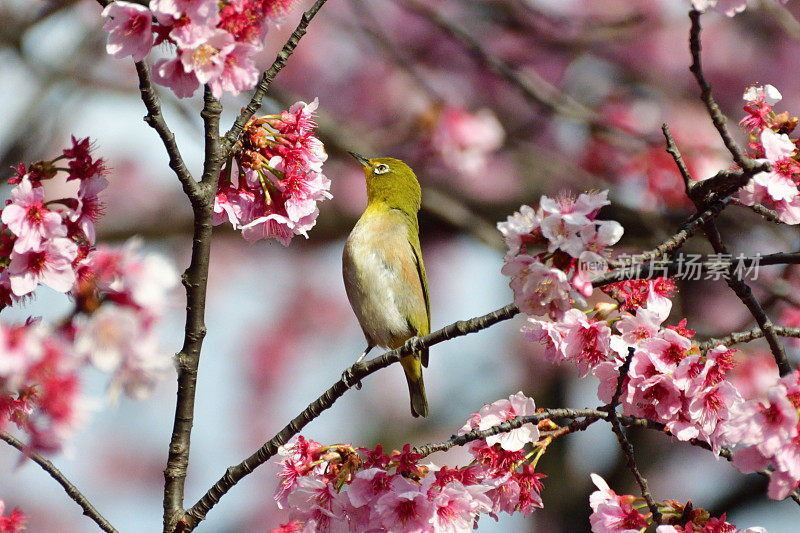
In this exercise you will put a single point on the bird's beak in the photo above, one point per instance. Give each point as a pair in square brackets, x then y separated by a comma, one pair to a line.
[361, 159]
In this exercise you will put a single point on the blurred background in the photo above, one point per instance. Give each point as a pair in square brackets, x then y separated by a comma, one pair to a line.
[493, 103]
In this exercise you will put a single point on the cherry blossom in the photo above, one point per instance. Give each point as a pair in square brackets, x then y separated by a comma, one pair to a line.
[12, 523]
[51, 265]
[215, 42]
[129, 30]
[273, 187]
[495, 413]
[28, 219]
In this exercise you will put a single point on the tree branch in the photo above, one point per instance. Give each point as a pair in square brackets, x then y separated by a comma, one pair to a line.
[354, 373]
[71, 490]
[739, 337]
[719, 120]
[155, 120]
[195, 280]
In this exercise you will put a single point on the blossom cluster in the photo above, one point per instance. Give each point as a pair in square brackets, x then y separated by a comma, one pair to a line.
[340, 487]
[120, 295]
[39, 385]
[566, 231]
[668, 378]
[44, 236]
[769, 141]
[271, 187]
[614, 513]
[14, 522]
[768, 432]
[215, 42]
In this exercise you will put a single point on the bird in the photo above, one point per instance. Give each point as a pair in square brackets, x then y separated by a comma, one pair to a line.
[383, 272]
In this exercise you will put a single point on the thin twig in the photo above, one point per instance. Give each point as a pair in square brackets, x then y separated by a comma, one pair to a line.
[355, 373]
[767, 214]
[155, 120]
[672, 149]
[589, 415]
[717, 117]
[266, 79]
[745, 294]
[738, 337]
[625, 444]
[71, 490]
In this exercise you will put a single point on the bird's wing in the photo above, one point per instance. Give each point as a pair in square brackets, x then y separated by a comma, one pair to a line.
[413, 240]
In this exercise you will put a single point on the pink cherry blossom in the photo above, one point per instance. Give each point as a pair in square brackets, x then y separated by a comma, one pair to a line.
[612, 513]
[207, 59]
[14, 522]
[120, 341]
[171, 73]
[367, 486]
[549, 335]
[51, 266]
[405, 505]
[538, 290]
[129, 30]
[495, 413]
[586, 342]
[238, 74]
[518, 228]
[29, 220]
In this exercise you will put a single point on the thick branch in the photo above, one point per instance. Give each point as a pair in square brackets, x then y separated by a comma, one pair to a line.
[71, 490]
[355, 373]
[266, 79]
[195, 280]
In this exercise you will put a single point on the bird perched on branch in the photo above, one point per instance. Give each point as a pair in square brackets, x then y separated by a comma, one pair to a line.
[384, 275]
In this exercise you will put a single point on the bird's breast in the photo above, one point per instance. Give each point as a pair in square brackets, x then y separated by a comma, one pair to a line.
[381, 279]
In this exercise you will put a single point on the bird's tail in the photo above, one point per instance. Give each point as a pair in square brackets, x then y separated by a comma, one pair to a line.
[416, 386]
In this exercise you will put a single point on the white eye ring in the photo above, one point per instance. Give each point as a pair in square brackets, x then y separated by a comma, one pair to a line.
[381, 169]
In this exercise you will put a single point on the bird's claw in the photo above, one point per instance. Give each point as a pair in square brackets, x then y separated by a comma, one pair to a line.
[347, 377]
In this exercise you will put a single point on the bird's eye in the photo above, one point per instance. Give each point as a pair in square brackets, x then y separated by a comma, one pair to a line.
[381, 169]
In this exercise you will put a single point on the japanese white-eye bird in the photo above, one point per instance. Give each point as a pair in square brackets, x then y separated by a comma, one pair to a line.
[384, 275]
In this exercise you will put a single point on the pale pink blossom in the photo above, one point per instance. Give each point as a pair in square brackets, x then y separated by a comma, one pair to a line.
[51, 265]
[239, 72]
[29, 220]
[766, 93]
[612, 513]
[549, 335]
[367, 486]
[519, 227]
[129, 28]
[538, 290]
[493, 414]
[456, 508]
[206, 60]
[121, 342]
[171, 73]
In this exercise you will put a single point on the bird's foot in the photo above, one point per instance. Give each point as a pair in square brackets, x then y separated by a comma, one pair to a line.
[347, 377]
